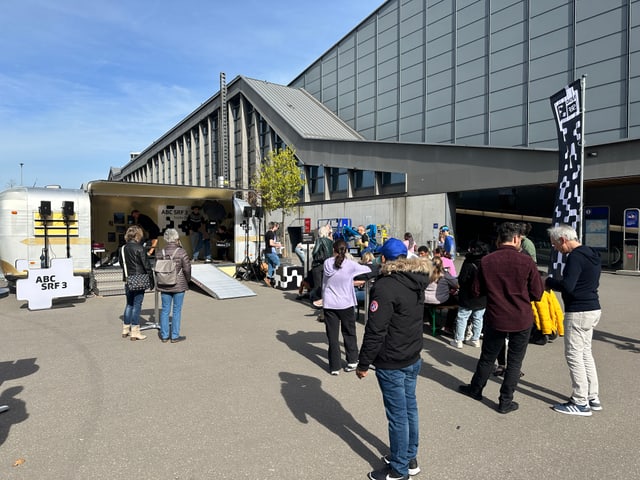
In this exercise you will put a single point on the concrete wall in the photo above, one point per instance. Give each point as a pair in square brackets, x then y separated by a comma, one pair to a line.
[401, 214]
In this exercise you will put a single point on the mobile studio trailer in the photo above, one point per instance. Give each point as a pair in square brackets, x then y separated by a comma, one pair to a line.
[88, 225]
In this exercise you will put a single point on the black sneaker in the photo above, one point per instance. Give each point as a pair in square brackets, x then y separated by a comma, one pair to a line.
[414, 469]
[387, 473]
[509, 407]
[470, 392]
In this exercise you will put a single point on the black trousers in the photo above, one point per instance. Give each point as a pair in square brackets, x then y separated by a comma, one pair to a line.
[336, 321]
[492, 343]
[317, 273]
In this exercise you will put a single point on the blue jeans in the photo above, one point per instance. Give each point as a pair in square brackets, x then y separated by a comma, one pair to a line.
[134, 305]
[462, 319]
[206, 245]
[302, 255]
[167, 298]
[273, 260]
[196, 243]
[398, 389]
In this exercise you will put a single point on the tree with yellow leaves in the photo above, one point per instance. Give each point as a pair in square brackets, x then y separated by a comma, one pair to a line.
[279, 181]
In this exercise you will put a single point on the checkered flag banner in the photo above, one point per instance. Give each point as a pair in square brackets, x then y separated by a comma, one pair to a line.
[567, 110]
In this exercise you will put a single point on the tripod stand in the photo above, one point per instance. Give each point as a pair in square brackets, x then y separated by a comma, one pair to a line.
[248, 269]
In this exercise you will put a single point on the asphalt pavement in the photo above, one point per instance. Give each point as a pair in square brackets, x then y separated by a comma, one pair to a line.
[248, 396]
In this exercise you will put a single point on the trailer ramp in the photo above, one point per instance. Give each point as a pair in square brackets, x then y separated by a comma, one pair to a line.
[217, 283]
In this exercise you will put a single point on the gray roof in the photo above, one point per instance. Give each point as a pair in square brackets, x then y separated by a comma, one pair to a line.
[310, 118]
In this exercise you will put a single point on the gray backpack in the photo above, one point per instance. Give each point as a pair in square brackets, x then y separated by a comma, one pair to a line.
[166, 274]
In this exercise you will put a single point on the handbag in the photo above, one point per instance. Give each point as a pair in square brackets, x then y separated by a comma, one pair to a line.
[137, 281]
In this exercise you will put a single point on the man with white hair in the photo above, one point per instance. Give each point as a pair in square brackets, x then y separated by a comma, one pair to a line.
[579, 289]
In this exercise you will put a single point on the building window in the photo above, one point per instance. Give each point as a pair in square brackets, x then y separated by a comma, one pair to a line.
[338, 179]
[364, 179]
[316, 180]
[389, 178]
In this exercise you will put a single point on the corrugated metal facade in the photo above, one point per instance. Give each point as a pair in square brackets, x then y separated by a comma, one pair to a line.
[480, 72]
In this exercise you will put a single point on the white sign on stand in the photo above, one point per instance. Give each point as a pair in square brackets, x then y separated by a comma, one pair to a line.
[44, 284]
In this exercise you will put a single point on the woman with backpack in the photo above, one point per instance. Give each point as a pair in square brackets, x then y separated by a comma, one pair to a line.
[322, 249]
[173, 295]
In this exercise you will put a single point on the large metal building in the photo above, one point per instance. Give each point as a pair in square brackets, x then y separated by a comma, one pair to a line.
[425, 107]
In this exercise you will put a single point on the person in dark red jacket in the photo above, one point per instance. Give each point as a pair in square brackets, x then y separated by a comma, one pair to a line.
[511, 281]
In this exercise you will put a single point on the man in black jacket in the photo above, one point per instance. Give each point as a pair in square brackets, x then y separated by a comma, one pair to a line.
[149, 226]
[579, 289]
[393, 342]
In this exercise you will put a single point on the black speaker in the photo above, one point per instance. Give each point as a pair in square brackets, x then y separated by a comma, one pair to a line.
[45, 208]
[67, 209]
[259, 212]
[247, 212]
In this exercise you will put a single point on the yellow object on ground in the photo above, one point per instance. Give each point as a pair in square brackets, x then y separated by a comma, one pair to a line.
[547, 314]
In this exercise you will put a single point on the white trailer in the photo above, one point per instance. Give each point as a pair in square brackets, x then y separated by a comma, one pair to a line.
[88, 225]
[41, 224]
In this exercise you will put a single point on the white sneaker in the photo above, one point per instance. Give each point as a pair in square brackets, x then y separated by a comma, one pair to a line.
[468, 333]
[350, 367]
[595, 404]
[473, 343]
[456, 343]
[335, 372]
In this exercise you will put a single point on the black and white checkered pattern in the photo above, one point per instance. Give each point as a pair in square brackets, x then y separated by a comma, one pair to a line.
[567, 110]
[289, 277]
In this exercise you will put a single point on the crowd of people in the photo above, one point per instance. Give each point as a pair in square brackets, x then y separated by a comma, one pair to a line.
[493, 294]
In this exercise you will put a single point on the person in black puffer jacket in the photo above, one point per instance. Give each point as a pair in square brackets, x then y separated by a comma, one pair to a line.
[393, 343]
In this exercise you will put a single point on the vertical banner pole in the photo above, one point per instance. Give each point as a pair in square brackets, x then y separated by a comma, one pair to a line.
[583, 91]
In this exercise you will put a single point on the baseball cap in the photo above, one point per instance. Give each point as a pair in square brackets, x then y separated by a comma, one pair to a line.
[444, 228]
[393, 248]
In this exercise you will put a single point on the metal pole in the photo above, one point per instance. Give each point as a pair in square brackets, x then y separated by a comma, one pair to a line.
[21, 164]
[583, 87]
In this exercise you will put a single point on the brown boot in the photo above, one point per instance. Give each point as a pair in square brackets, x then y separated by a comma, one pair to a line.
[135, 333]
[126, 330]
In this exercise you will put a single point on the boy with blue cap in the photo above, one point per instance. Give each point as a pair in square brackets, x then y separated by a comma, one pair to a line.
[393, 343]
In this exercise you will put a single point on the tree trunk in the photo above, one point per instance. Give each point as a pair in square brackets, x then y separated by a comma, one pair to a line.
[285, 239]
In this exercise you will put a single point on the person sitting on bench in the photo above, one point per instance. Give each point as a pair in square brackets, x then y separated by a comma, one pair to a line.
[442, 290]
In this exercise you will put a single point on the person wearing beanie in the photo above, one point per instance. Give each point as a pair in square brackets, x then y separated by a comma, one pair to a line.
[392, 343]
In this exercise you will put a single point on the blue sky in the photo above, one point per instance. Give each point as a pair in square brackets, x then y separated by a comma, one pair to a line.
[84, 83]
